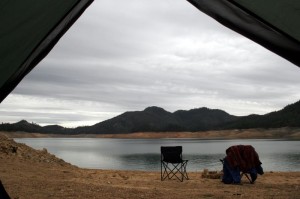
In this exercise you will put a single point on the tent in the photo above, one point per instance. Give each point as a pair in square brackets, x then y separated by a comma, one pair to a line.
[29, 30]
[274, 24]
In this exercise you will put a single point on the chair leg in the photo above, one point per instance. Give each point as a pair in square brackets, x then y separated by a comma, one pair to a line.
[168, 172]
[178, 170]
[163, 174]
[174, 171]
[184, 170]
[247, 177]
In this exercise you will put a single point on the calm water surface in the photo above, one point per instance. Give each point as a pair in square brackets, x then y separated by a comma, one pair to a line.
[144, 154]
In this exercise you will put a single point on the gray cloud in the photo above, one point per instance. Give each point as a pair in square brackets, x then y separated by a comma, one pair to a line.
[127, 55]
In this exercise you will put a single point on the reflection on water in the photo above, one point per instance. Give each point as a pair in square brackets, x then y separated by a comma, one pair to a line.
[144, 154]
[140, 161]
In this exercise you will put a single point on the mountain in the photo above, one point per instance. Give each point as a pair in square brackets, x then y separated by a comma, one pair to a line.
[151, 119]
[156, 119]
[203, 119]
[22, 125]
[25, 126]
[287, 117]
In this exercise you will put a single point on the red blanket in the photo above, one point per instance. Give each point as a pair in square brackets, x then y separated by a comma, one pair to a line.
[242, 156]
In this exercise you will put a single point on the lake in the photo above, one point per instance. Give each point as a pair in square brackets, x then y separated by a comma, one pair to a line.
[144, 154]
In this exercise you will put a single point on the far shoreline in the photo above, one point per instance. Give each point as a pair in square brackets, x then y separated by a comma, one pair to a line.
[286, 133]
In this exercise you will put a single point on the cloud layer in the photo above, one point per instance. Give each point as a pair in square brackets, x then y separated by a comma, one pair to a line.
[128, 55]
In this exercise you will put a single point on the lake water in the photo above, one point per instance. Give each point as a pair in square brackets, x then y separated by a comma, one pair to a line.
[144, 154]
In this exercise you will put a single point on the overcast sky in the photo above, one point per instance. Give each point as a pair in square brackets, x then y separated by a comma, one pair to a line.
[127, 55]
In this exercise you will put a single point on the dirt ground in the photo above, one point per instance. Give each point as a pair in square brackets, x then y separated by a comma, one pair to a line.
[35, 174]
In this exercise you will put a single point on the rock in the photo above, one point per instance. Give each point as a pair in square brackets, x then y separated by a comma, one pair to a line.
[211, 174]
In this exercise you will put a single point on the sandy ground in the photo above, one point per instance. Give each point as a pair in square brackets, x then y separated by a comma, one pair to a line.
[35, 174]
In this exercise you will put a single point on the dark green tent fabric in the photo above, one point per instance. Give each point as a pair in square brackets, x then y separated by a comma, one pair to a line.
[29, 30]
[274, 24]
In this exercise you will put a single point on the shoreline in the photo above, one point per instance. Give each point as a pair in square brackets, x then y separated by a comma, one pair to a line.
[279, 133]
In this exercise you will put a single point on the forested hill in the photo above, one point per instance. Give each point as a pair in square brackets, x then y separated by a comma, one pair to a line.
[287, 117]
[155, 119]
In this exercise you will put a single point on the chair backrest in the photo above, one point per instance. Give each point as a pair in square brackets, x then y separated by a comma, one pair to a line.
[171, 154]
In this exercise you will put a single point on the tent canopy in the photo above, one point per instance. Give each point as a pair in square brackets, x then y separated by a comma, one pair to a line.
[29, 30]
[273, 24]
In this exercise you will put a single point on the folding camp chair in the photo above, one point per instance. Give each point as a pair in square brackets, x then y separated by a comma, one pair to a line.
[172, 164]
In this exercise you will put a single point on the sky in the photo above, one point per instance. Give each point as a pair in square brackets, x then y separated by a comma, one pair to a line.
[128, 55]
